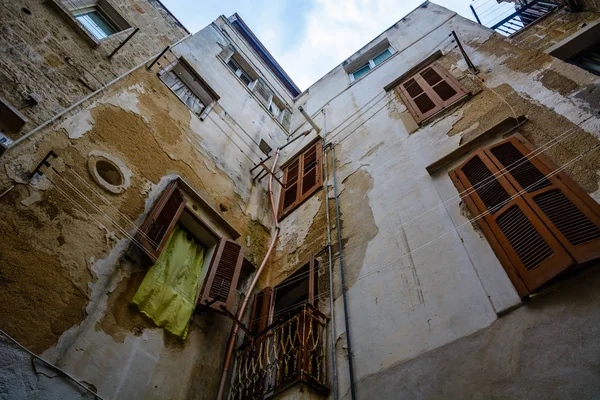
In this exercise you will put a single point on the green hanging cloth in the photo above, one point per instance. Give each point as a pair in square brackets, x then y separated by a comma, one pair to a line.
[168, 293]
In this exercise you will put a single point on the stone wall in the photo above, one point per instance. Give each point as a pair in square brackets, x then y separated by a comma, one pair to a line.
[43, 54]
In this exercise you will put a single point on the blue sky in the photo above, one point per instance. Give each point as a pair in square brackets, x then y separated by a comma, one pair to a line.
[307, 37]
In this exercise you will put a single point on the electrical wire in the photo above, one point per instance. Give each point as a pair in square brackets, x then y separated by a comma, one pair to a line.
[96, 395]
[482, 215]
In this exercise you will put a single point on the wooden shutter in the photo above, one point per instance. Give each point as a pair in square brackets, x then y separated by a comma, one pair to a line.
[162, 219]
[573, 220]
[222, 278]
[534, 253]
[429, 91]
[302, 177]
[261, 306]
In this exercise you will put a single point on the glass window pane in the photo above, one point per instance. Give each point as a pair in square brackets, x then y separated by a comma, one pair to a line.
[382, 57]
[361, 71]
[96, 24]
[245, 78]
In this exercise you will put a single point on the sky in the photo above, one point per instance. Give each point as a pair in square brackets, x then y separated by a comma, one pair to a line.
[308, 38]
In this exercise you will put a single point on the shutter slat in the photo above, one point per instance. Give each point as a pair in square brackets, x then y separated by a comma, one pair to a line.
[530, 247]
[161, 220]
[222, 278]
[567, 213]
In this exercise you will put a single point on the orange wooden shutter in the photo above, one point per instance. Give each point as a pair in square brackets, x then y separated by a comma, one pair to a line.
[311, 170]
[429, 91]
[532, 250]
[289, 194]
[302, 177]
[575, 223]
[261, 306]
[222, 278]
[162, 219]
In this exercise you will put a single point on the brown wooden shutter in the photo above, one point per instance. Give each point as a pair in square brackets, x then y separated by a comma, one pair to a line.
[261, 306]
[222, 278]
[161, 219]
[575, 223]
[532, 250]
[302, 177]
[429, 91]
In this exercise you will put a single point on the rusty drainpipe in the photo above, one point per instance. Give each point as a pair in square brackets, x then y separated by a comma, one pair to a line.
[234, 331]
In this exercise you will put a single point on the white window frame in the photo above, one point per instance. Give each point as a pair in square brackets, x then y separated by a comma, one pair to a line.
[239, 71]
[372, 64]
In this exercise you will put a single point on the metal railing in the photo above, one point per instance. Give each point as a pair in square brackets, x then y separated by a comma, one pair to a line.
[282, 355]
[510, 17]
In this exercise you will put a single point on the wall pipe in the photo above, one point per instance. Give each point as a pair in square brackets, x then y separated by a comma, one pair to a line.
[234, 332]
[331, 299]
[89, 96]
[339, 235]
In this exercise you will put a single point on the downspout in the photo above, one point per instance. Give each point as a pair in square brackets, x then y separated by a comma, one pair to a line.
[332, 327]
[339, 235]
[240, 315]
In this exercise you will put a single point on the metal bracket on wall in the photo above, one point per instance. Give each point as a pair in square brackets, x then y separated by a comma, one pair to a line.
[45, 162]
[470, 64]
[123, 43]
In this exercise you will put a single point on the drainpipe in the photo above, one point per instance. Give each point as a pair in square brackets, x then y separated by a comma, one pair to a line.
[234, 332]
[339, 235]
[332, 327]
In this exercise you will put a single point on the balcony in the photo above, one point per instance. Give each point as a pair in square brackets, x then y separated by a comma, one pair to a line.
[284, 354]
[508, 17]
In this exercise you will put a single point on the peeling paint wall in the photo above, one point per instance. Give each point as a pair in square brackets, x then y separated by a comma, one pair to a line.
[66, 276]
[419, 275]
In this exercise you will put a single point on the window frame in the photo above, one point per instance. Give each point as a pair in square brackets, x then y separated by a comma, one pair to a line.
[371, 64]
[564, 255]
[439, 104]
[299, 158]
[209, 99]
[230, 54]
[104, 8]
[170, 214]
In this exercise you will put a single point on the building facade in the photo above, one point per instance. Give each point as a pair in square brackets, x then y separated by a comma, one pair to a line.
[421, 222]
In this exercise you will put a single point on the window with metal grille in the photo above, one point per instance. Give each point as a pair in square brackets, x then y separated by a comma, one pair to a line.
[301, 177]
[538, 225]
[430, 91]
[190, 88]
[224, 268]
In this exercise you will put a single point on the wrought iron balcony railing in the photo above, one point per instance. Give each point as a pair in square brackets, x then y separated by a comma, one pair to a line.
[282, 355]
[508, 17]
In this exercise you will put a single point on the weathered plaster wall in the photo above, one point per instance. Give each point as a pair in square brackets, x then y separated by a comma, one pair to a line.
[43, 54]
[65, 280]
[553, 28]
[418, 274]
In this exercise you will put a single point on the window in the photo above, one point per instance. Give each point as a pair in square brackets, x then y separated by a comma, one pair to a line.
[191, 89]
[257, 85]
[372, 63]
[96, 23]
[589, 59]
[581, 49]
[301, 177]
[239, 72]
[223, 263]
[430, 91]
[538, 225]
[271, 305]
[96, 18]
